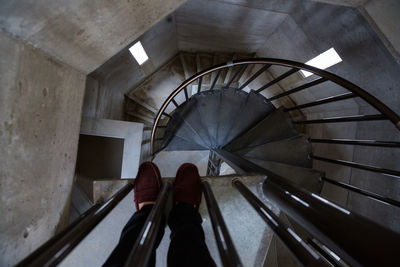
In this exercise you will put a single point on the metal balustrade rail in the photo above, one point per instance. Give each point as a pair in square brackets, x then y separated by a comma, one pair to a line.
[352, 248]
[57, 248]
[385, 113]
[227, 251]
[143, 247]
[296, 245]
[355, 239]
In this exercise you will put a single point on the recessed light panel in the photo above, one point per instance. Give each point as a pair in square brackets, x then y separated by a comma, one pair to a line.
[138, 53]
[323, 61]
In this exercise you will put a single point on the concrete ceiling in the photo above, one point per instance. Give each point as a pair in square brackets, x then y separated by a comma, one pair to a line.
[217, 26]
[276, 28]
[82, 33]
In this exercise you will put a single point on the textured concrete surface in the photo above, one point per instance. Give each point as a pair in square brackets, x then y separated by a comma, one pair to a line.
[82, 33]
[98, 191]
[79, 202]
[169, 161]
[221, 27]
[249, 232]
[157, 87]
[96, 247]
[40, 106]
[108, 84]
[131, 132]
[383, 17]
[378, 75]
[353, 3]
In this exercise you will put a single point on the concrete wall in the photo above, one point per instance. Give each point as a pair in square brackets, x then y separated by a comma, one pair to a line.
[384, 17]
[367, 63]
[353, 3]
[129, 132]
[300, 30]
[82, 33]
[212, 26]
[40, 109]
[107, 85]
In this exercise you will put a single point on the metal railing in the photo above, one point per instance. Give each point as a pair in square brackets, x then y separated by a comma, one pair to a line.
[57, 248]
[348, 248]
[385, 113]
[213, 165]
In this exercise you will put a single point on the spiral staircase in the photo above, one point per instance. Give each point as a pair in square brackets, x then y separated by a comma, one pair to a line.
[257, 132]
[246, 130]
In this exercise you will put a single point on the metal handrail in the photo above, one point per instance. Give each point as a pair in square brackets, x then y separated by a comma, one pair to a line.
[293, 242]
[227, 250]
[325, 220]
[326, 76]
[278, 183]
[143, 247]
[57, 248]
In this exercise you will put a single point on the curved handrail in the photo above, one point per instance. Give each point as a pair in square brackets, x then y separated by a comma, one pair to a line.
[370, 99]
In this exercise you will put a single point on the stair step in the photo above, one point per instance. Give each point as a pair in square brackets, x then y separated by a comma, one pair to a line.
[178, 126]
[254, 109]
[231, 102]
[274, 127]
[294, 151]
[208, 104]
[192, 117]
[141, 103]
[140, 117]
[308, 178]
[177, 144]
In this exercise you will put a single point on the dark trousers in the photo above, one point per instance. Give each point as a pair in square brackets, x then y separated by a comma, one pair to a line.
[187, 247]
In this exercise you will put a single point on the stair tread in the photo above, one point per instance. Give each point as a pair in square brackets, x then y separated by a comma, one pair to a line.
[231, 103]
[192, 118]
[177, 144]
[208, 104]
[305, 177]
[274, 127]
[293, 151]
[179, 126]
[254, 109]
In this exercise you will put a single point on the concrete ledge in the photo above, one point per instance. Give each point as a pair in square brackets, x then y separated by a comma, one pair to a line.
[131, 132]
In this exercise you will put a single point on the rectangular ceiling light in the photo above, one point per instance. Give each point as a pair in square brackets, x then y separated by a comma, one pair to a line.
[323, 61]
[138, 53]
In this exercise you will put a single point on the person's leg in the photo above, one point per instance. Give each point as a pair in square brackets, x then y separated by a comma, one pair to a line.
[187, 247]
[128, 238]
[147, 186]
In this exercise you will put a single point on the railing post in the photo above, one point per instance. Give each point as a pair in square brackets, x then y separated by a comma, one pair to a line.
[144, 244]
[225, 245]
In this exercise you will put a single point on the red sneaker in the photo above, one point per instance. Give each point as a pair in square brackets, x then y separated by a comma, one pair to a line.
[147, 184]
[188, 187]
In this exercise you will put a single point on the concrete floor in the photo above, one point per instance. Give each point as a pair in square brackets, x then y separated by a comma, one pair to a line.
[169, 161]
